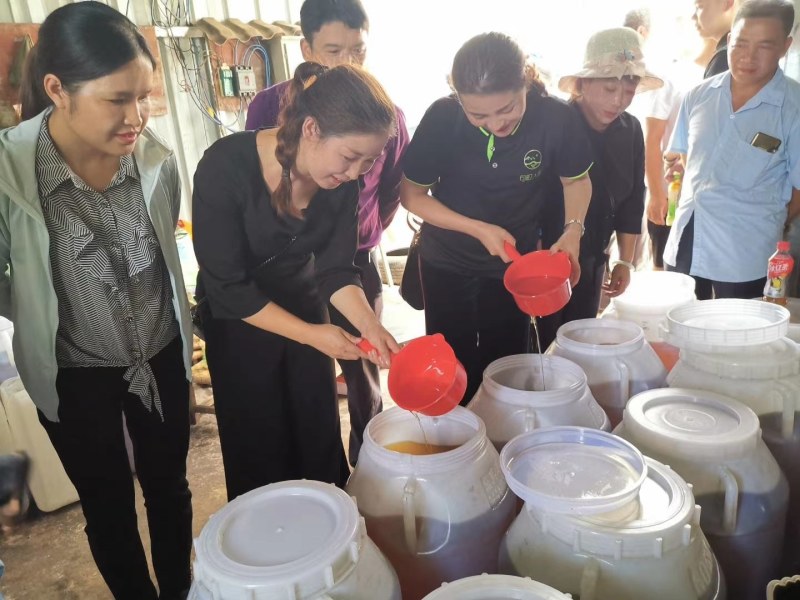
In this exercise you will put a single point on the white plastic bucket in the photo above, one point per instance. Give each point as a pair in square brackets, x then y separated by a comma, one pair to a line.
[648, 299]
[765, 378]
[659, 553]
[714, 442]
[294, 540]
[438, 517]
[617, 360]
[47, 480]
[512, 398]
[496, 587]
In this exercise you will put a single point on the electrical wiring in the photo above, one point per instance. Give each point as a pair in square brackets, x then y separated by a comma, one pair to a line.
[194, 79]
[248, 57]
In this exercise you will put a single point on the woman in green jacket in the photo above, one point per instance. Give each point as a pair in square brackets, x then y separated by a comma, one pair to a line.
[89, 200]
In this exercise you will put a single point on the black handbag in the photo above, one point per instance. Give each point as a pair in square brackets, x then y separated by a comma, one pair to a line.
[411, 283]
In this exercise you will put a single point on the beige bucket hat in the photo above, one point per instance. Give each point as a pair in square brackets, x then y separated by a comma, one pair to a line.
[613, 53]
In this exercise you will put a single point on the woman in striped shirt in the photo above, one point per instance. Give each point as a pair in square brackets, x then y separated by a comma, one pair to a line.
[89, 200]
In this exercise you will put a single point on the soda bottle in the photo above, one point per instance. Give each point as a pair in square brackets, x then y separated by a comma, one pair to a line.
[779, 268]
[673, 194]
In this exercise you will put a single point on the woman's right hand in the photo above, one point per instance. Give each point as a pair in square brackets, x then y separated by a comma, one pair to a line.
[334, 342]
[494, 237]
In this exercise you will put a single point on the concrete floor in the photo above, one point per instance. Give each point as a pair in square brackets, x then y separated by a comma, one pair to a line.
[47, 556]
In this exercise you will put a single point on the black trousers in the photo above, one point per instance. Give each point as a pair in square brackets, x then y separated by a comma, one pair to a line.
[584, 302]
[478, 318]
[362, 376]
[276, 407]
[706, 289]
[90, 443]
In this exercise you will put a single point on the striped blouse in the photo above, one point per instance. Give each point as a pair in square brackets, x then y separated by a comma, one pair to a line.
[114, 296]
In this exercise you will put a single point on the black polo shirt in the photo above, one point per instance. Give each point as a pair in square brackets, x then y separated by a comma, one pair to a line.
[617, 186]
[496, 185]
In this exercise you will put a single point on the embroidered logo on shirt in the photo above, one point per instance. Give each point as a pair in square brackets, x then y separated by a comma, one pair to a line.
[532, 160]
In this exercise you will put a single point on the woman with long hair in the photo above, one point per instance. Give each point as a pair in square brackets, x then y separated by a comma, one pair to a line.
[275, 234]
[90, 276]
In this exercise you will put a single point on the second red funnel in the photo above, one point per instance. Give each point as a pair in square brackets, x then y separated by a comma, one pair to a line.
[425, 376]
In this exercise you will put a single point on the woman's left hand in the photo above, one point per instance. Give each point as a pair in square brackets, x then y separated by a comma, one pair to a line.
[570, 242]
[618, 282]
[384, 344]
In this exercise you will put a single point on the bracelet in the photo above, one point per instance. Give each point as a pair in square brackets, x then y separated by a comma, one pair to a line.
[579, 222]
[624, 263]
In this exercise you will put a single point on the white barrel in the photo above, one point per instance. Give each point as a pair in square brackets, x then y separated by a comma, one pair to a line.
[515, 398]
[496, 587]
[437, 517]
[294, 540]
[658, 553]
[649, 297]
[617, 360]
[47, 480]
[714, 442]
[765, 378]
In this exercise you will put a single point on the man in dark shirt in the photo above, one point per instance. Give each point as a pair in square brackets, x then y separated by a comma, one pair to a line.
[713, 20]
[334, 33]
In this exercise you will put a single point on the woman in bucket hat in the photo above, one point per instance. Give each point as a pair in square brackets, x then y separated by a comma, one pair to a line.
[613, 72]
[472, 172]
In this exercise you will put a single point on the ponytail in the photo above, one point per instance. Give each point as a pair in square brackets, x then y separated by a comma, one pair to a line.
[290, 129]
[343, 100]
[32, 96]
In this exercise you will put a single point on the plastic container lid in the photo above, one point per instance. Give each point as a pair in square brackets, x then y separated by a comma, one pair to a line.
[775, 360]
[691, 424]
[573, 470]
[666, 520]
[284, 541]
[713, 325]
[496, 587]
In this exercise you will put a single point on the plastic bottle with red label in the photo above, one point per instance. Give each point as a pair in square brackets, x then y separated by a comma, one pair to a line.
[778, 270]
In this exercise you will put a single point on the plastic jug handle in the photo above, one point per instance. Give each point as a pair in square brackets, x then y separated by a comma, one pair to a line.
[589, 579]
[731, 505]
[530, 420]
[787, 418]
[512, 252]
[410, 515]
[624, 381]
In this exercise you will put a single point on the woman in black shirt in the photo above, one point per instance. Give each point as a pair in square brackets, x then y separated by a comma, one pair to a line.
[275, 233]
[612, 73]
[471, 172]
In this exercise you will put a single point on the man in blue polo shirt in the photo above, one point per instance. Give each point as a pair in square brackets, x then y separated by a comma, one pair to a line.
[739, 137]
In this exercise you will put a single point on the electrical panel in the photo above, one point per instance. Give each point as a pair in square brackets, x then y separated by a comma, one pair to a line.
[244, 81]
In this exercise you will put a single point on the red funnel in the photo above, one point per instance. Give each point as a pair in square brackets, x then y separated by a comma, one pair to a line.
[539, 281]
[425, 376]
